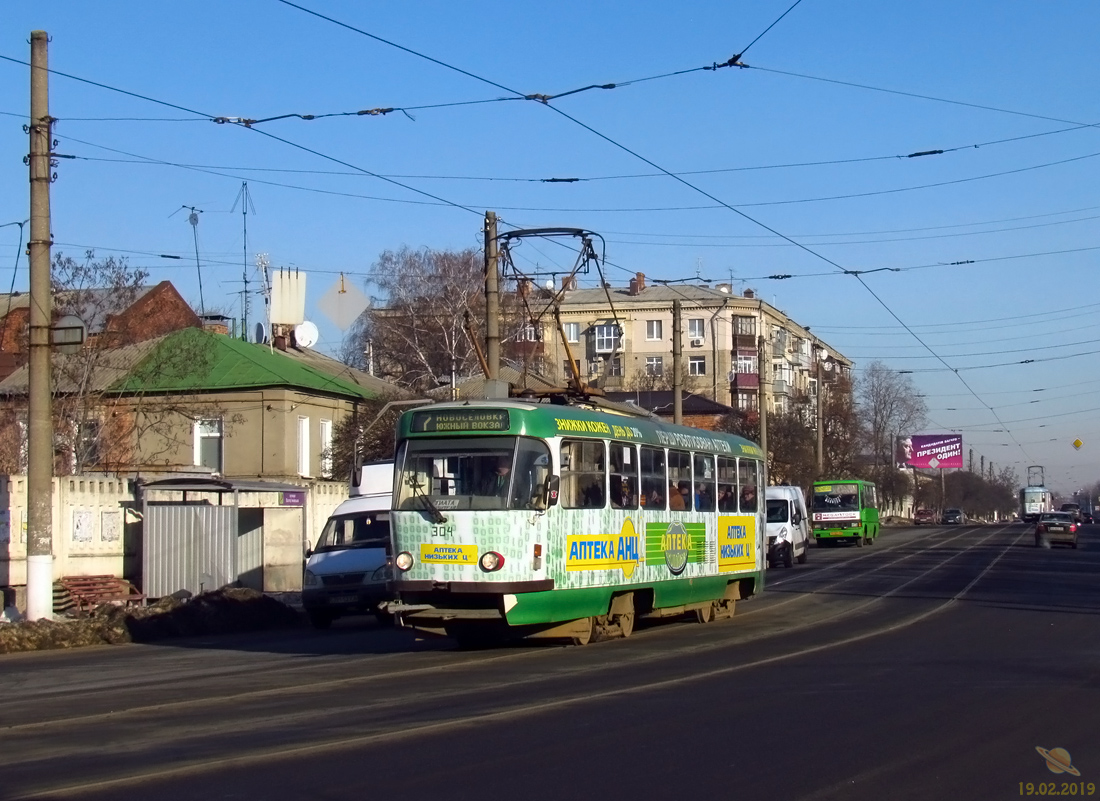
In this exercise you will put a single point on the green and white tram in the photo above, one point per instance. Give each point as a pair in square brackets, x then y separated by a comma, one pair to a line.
[515, 518]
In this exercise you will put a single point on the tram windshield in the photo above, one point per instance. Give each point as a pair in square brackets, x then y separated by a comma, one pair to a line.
[481, 473]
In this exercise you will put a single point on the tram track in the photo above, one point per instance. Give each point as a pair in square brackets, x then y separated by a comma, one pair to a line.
[319, 688]
[478, 661]
[380, 727]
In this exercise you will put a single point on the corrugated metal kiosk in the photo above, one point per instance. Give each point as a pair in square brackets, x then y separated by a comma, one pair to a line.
[200, 542]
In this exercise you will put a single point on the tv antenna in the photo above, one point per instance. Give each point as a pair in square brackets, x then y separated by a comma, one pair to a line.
[193, 218]
[244, 197]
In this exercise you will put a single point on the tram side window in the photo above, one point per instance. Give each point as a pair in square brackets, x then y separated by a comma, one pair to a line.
[654, 481]
[532, 475]
[746, 477]
[679, 481]
[704, 482]
[727, 484]
[583, 480]
[624, 476]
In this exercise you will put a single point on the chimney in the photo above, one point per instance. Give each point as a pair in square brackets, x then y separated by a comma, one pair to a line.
[568, 283]
[749, 293]
[637, 284]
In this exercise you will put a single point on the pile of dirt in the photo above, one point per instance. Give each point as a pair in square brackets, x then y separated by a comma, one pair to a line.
[226, 611]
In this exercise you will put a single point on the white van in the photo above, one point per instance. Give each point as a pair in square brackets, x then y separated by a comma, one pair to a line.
[348, 571]
[787, 525]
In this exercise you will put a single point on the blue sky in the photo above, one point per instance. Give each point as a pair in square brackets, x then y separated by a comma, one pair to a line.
[1014, 193]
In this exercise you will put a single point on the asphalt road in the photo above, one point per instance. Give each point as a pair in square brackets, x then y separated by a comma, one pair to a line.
[932, 665]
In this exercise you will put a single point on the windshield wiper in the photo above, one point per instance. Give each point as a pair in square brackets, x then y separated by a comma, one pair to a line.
[434, 514]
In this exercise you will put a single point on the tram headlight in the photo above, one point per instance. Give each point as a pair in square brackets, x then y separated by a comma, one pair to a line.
[404, 561]
[491, 561]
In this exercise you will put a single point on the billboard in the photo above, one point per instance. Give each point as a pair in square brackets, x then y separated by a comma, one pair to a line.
[930, 450]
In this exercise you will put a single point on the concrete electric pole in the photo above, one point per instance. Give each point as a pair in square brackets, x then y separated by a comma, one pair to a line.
[677, 358]
[39, 411]
[764, 395]
[492, 297]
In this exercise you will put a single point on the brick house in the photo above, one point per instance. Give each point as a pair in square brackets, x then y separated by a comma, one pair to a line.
[144, 314]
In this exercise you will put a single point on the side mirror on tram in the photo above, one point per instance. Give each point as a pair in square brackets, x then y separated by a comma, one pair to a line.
[553, 483]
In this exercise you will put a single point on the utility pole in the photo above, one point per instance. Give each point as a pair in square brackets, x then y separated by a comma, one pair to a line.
[763, 395]
[820, 356]
[492, 297]
[39, 401]
[677, 357]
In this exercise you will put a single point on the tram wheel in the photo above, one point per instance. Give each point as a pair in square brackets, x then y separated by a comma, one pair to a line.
[705, 614]
[626, 624]
[585, 634]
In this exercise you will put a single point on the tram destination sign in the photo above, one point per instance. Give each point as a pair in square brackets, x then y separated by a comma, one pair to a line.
[447, 420]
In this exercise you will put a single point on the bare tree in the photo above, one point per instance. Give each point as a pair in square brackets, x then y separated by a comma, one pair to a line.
[417, 335]
[889, 406]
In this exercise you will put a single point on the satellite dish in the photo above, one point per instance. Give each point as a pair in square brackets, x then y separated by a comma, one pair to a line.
[261, 334]
[550, 284]
[824, 354]
[306, 334]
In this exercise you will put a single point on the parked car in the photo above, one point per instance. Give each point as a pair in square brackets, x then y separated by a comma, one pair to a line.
[953, 517]
[923, 517]
[1056, 527]
[1073, 509]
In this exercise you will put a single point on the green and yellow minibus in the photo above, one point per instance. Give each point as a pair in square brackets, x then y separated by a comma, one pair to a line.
[844, 510]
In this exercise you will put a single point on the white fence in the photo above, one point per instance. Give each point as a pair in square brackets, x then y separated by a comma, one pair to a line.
[97, 525]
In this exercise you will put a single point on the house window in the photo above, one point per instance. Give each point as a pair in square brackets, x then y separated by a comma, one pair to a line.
[303, 446]
[747, 401]
[697, 328]
[565, 367]
[326, 449]
[616, 367]
[208, 444]
[572, 332]
[697, 365]
[653, 330]
[654, 365]
[608, 338]
[744, 326]
[746, 364]
[528, 333]
[89, 451]
[595, 367]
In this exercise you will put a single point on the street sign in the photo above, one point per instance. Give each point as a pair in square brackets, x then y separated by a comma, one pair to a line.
[1077, 444]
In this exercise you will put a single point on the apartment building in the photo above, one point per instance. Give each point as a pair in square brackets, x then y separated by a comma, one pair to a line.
[621, 339]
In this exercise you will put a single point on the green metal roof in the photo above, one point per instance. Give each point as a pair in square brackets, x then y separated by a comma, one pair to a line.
[193, 360]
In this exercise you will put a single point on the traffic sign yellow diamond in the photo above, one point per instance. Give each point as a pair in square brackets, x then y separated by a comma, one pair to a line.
[1077, 444]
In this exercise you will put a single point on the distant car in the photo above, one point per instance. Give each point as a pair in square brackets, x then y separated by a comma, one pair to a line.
[953, 517]
[1086, 517]
[924, 517]
[1056, 527]
[1073, 509]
